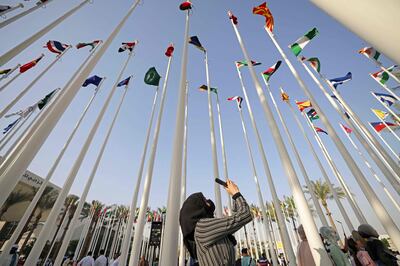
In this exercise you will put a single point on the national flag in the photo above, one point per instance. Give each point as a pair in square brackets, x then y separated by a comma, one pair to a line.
[379, 113]
[10, 126]
[127, 46]
[387, 99]
[348, 130]
[5, 71]
[370, 52]
[312, 114]
[264, 11]
[284, 96]
[124, 82]
[204, 88]
[320, 130]
[170, 50]
[185, 5]
[268, 73]
[379, 126]
[243, 63]
[314, 63]
[395, 70]
[30, 64]
[196, 42]
[23, 113]
[56, 47]
[4, 8]
[339, 81]
[238, 100]
[303, 105]
[383, 76]
[299, 45]
[91, 44]
[95, 80]
[152, 77]
[232, 17]
[42, 103]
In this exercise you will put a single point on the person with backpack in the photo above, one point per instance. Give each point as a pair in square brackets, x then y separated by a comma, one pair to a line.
[209, 240]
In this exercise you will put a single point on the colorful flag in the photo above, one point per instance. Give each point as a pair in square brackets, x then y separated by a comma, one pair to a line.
[314, 63]
[127, 46]
[299, 45]
[95, 80]
[379, 126]
[284, 96]
[268, 73]
[170, 50]
[10, 126]
[348, 130]
[152, 77]
[383, 76]
[232, 17]
[23, 113]
[303, 105]
[243, 63]
[185, 5]
[320, 130]
[370, 52]
[91, 44]
[379, 113]
[387, 99]
[264, 11]
[339, 81]
[5, 71]
[124, 82]
[395, 70]
[312, 114]
[42, 103]
[196, 42]
[238, 100]
[30, 64]
[204, 88]
[56, 47]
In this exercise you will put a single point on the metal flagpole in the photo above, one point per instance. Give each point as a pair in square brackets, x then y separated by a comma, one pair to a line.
[148, 178]
[258, 189]
[385, 87]
[377, 205]
[26, 43]
[182, 249]
[386, 107]
[387, 144]
[384, 122]
[303, 170]
[38, 77]
[4, 141]
[217, 191]
[169, 252]
[317, 247]
[9, 73]
[10, 81]
[12, 168]
[374, 174]
[22, 14]
[20, 5]
[89, 181]
[41, 240]
[275, 200]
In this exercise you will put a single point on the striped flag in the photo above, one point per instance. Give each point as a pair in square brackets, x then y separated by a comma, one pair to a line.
[379, 126]
[339, 81]
[30, 64]
[320, 130]
[379, 113]
[387, 99]
[127, 46]
[303, 105]
[238, 100]
[243, 63]
[299, 45]
[314, 63]
[56, 47]
[91, 44]
[264, 11]
[270, 71]
[11, 125]
[312, 114]
[196, 42]
[370, 52]
[204, 88]
[348, 130]
[383, 76]
[124, 82]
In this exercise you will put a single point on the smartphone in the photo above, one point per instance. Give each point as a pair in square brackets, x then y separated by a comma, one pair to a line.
[222, 183]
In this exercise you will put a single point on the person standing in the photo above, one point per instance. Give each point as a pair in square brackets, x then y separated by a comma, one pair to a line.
[87, 261]
[263, 261]
[101, 260]
[331, 238]
[304, 256]
[12, 258]
[245, 260]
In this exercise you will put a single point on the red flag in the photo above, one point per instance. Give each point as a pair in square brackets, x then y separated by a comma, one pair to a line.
[185, 5]
[30, 64]
[263, 10]
[169, 50]
[232, 17]
[348, 130]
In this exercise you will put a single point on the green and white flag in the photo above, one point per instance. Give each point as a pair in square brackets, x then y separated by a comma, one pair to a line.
[299, 45]
[383, 76]
[152, 77]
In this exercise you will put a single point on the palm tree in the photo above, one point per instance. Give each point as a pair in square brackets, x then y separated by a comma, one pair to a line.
[14, 198]
[323, 194]
[97, 206]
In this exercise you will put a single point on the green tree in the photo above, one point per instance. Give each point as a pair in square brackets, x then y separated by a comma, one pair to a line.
[14, 198]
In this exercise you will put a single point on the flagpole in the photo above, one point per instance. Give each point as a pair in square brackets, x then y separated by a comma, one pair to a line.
[20, 5]
[26, 43]
[303, 170]
[380, 119]
[384, 141]
[386, 107]
[258, 189]
[355, 208]
[134, 259]
[4, 141]
[22, 14]
[379, 64]
[275, 199]
[9, 73]
[317, 247]
[27, 148]
[14, 124]
[169, 252]
[386, 87]
[10, 81]
[374, 174]
[38, 77]
[82, 238]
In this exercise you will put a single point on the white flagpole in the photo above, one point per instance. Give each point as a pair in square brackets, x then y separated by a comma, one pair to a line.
[5, 140]
[2, 14]
[182, 249]
[83, 236]
[26, 43]
[217, 191]
[384, 122]
[317, 247]
[148, 178]
[258, 189]
[303, 170]
[386, 107]
[89, 181]
[9, 73]
[10, 81]
[169, 252]
[38, 77]
[96, 232]
[27, 148]
[275, 199]
[374, 174]
[22, 14]
[41, 240]
[385, 87]
[384, 141]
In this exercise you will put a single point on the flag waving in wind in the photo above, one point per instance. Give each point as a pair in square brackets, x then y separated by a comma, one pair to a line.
[303, 105]
[5, 71]
[170, 50]
[152, 77]
[383, 76]
[284, 96]
[370, 52]
[127, 46]
[232, 17]
[30, 64]
[11, 125]
[379, 126]
[312, 114]
[91, 44]
[268, 73]
[196, 42]
[339, 81]
[264, 11]
[387, 99]
[314, 63]
[204, 88]
[124, 82]
[379, 113]
[243, 63]
[56, 47]
[23, 113]
[348, 130]
[95, 80]
[238, 100]
[320, 130]
[299, 45]
[42, 103]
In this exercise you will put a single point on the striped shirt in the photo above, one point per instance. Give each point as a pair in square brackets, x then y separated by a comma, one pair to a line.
[211, 235]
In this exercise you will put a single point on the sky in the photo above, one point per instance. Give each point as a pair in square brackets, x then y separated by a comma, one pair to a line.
[155, 24]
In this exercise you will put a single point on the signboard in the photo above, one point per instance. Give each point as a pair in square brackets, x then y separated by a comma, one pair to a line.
[155, 233]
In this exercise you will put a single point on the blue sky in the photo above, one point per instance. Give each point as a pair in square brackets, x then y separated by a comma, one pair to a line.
[155, 24]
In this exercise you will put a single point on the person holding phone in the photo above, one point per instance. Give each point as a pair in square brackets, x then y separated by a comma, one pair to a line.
[209, 240]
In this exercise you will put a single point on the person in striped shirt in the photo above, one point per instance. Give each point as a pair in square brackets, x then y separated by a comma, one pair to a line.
[209, 240]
